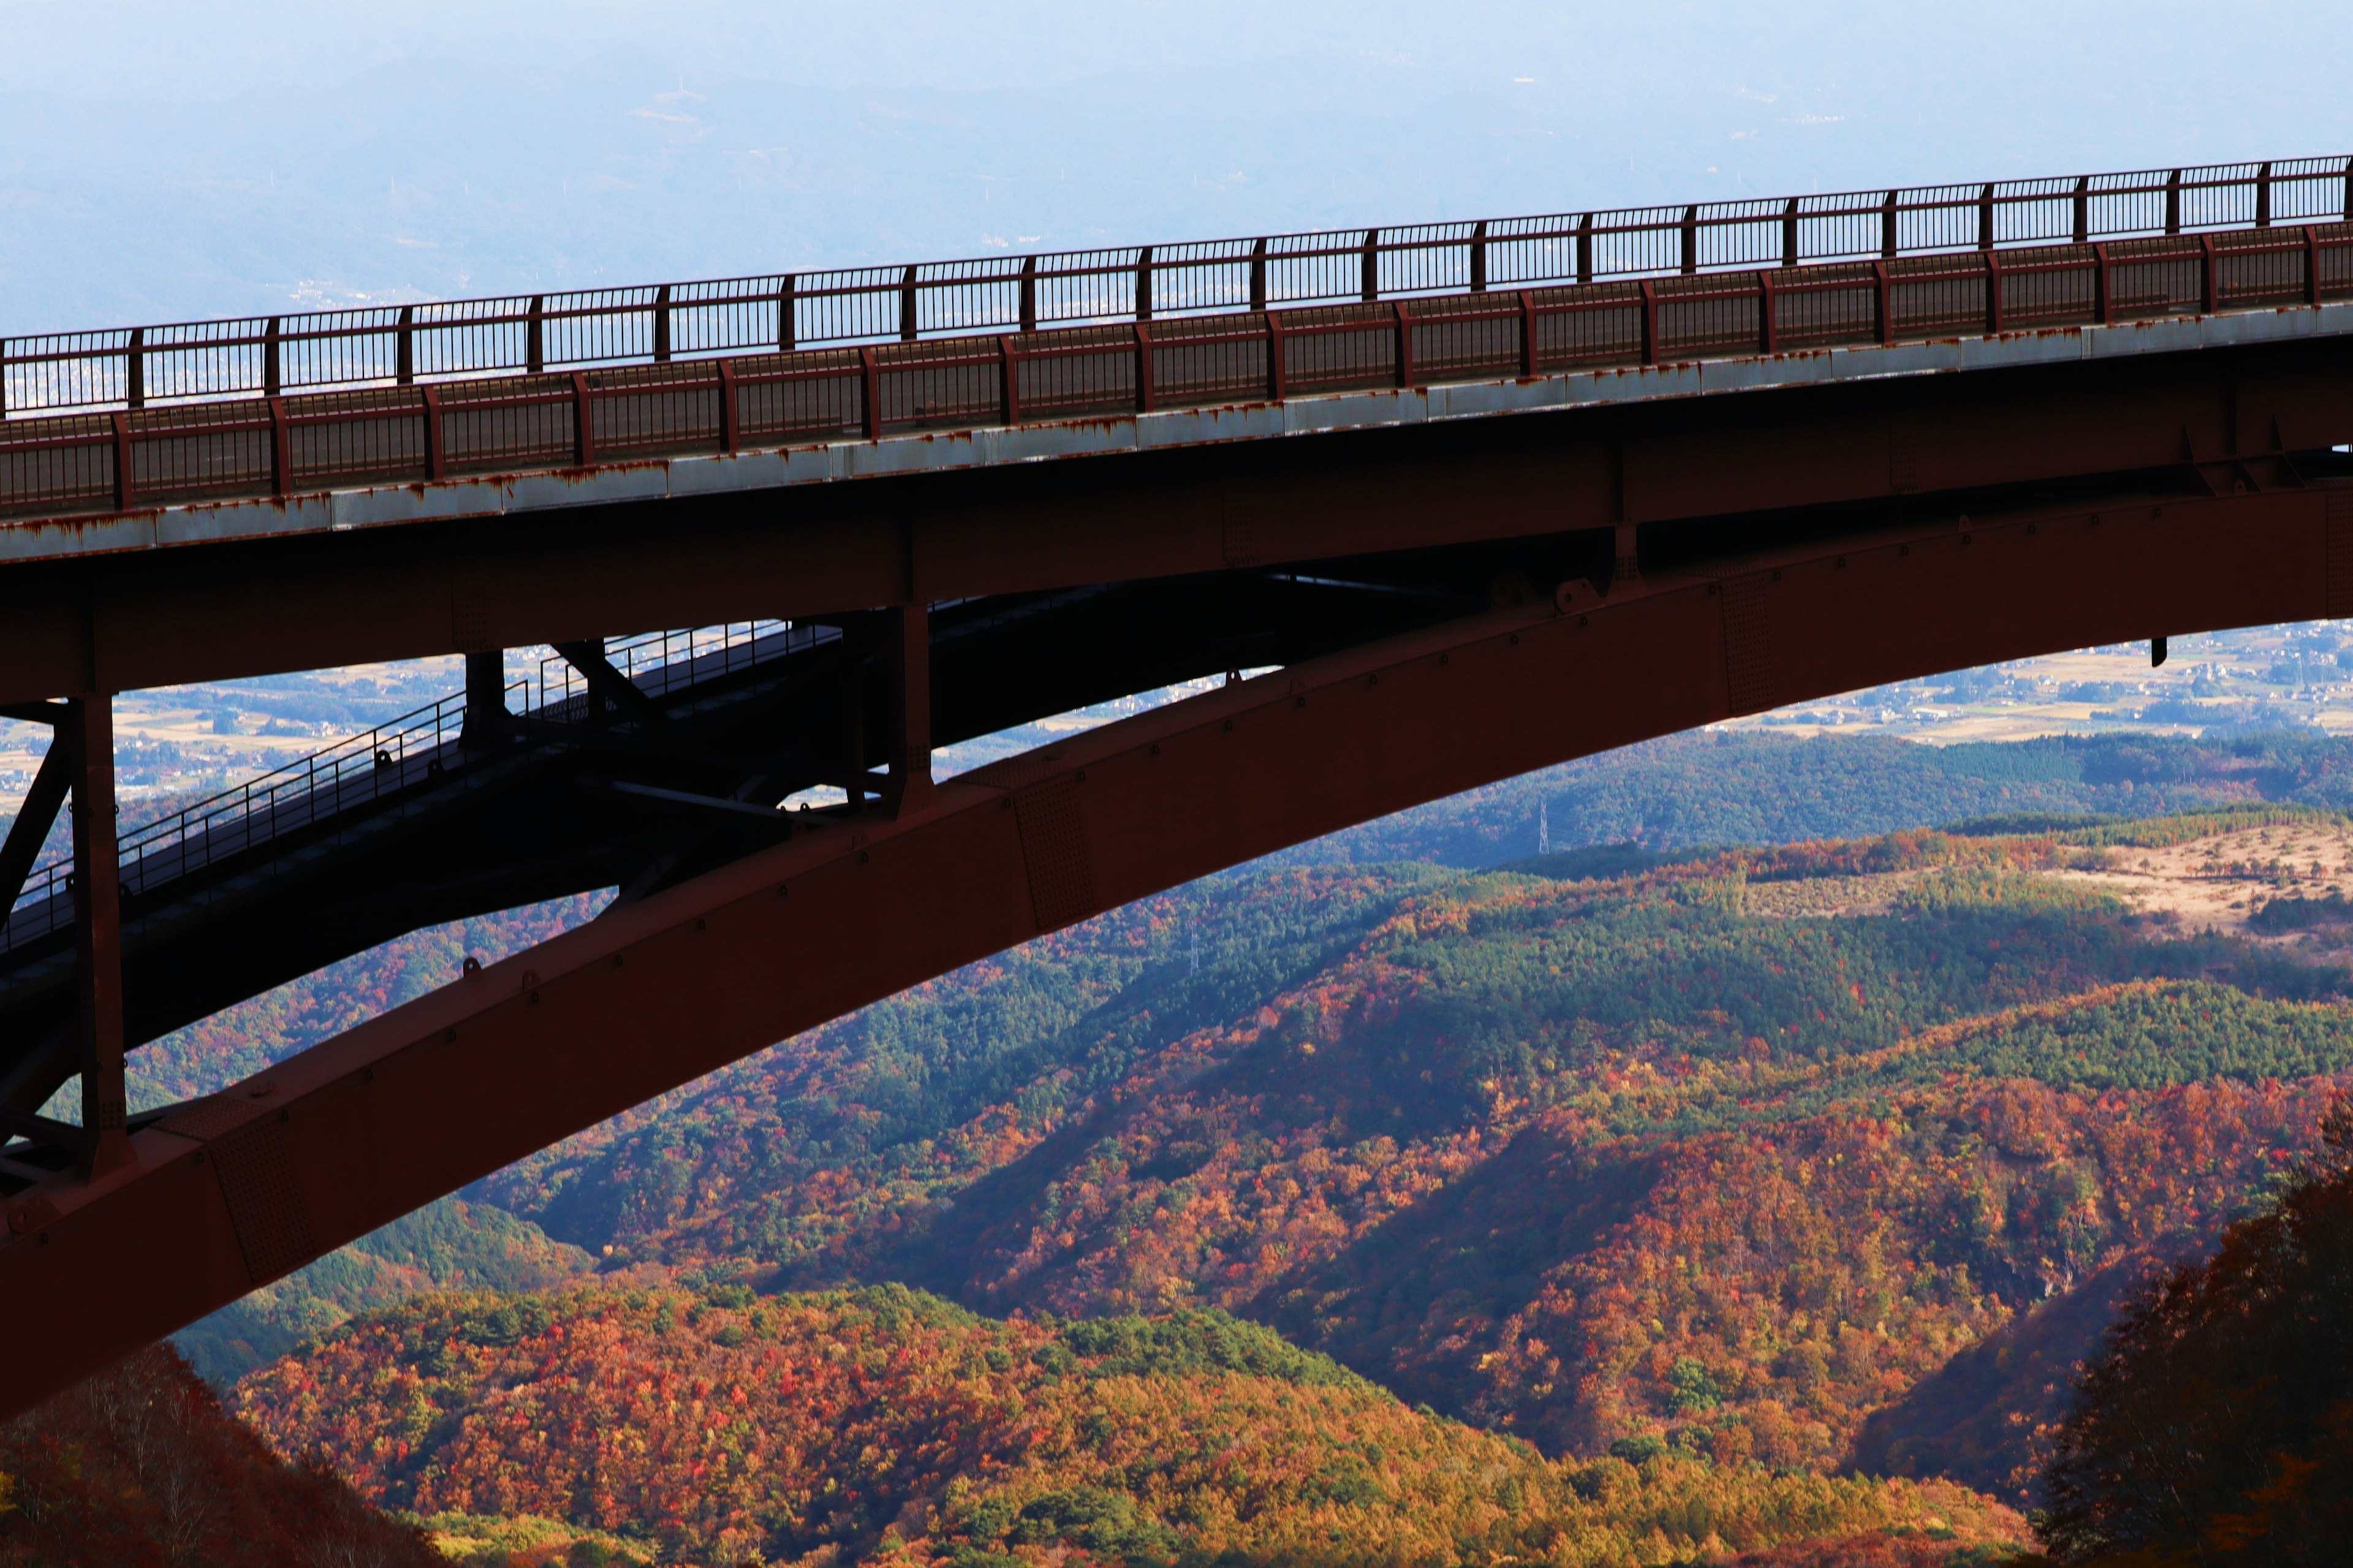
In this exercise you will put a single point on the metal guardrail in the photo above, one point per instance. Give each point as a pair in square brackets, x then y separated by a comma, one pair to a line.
[63, 466]
[136, 367]
[362, 769]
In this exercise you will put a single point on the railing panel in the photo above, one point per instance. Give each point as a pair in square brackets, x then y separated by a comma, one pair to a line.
[472, 337]
[523, 422]
[1089, 370]
[355, 436]
[811, 396]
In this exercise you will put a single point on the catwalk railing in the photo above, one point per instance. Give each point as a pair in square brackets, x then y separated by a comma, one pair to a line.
[133, 368]
[356, 773]
[278, 445]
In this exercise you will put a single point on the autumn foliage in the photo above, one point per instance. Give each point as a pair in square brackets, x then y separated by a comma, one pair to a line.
[885, 1426]
[139, 1468]
[2217, 1426]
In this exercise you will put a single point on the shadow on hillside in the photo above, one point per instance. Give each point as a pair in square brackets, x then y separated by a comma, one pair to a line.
[1417, 1300]
[1974, 1418]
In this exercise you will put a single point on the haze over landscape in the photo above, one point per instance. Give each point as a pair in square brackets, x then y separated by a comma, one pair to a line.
[1832, 1138]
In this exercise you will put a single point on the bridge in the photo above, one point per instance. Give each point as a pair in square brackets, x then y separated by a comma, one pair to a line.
[1481, 497]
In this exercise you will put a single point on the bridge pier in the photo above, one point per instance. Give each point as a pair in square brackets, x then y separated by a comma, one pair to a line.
[486, 700]
[908, 652]
[89, 731]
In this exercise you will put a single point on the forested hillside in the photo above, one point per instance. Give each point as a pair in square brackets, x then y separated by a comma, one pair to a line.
[884, 1425]
[1672, 795]
[1795, 1156]
[141, 1468]
[1730, 1154]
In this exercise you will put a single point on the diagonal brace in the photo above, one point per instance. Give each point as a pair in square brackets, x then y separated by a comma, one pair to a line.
[31, 828]
[609, 685]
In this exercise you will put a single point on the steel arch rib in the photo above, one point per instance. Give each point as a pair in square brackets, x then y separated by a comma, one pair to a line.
[231, 1192]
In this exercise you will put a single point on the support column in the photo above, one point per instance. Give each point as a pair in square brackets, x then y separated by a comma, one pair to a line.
[98, 934]
[486, 700]
[909, 656]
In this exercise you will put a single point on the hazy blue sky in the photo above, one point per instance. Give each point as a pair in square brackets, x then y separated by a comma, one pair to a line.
[165, 160]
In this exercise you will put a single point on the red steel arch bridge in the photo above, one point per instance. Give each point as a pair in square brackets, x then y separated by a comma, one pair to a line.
[1481, 497]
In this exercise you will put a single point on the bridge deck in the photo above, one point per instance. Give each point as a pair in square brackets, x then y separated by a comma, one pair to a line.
[334, 462]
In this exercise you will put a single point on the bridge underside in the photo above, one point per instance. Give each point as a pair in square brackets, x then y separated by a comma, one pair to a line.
[1448, 606]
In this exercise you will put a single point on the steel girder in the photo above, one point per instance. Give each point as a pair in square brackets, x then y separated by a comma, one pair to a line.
[230, 1192]
[1734, 462]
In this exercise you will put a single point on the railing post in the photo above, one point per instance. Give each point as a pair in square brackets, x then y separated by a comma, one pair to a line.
[1584, 248]
[2349, 191]
[2102, 294]
[870, 402]
[1404, 344]
[1008, 371]
[907, 306]
[584, 423]
[787, 332]
[1885, 308]
[123, 487]
[1887, 225]
[1144, 284]
[404, 347]
[2210, 279]
[436, 466]
[1687, 261]
[281, 454]
[2264, 197]
[1766, 337]
[1142, 367]
[271, 355]
[1985, 218]
[1274, 378]
[535, 336]
[1479, 257]
[1789, 233]
[1993, 293]
[2083, 209]
[731, 429]
[2311, 265]
[134, 370]
[1527, 333]
[1258, 275]
[1028, 311]
[661, 325]
[2173, 203]
[98, 936]
[1650, 323]
[1369, 268]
